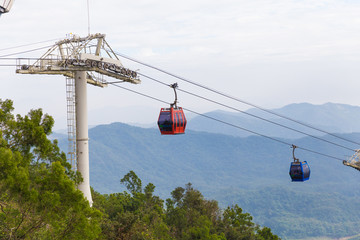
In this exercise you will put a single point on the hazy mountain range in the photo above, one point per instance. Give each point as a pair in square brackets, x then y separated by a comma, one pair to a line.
[250, 171]
[330, 117]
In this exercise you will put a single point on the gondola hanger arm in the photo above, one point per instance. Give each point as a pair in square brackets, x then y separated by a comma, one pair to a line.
[293, 147]
[174, 86]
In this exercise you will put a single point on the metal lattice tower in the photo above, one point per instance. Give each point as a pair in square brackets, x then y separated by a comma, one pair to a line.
[354, 160]
[71, 121]
[81, 61]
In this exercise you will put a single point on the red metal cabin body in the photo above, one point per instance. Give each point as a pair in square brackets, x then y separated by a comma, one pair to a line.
[172, 121]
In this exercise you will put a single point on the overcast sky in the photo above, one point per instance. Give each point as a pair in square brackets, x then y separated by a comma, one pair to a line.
[267, 52]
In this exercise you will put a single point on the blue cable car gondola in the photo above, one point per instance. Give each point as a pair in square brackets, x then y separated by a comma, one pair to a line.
[299, 171]
[172, 120]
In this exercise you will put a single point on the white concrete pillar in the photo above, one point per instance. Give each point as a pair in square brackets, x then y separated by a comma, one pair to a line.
[82, 137]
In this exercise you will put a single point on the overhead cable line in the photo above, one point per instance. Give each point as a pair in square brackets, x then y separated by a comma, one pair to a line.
[230, 124]
[235, 98]
[181, 78]
[252, 115]
[32, 50]
[29, 44]
[15, 58]
[8, 65]
[262, 135]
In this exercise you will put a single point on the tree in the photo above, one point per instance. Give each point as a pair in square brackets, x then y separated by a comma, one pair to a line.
[132, 182]
[237, 225]
[138, 215]
[188, 216]
[38, 197]
[266, 234]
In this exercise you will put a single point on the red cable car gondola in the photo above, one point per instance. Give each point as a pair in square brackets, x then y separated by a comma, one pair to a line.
[172, 120]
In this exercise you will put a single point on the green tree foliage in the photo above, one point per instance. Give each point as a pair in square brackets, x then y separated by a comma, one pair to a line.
[187, 215]
[236, 224]
[266, 234]
[132, 182]
[191, 216]
[139, 215]
[38, 198]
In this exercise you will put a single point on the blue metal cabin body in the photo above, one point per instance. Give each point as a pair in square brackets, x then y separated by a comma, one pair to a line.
[299, 171]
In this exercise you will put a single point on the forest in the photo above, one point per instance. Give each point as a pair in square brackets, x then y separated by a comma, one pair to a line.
[39, 199]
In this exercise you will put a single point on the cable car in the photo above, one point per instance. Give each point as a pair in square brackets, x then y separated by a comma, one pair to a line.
[299, 171]
[172, 120]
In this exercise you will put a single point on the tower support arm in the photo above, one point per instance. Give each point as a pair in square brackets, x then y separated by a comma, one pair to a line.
[354, 161]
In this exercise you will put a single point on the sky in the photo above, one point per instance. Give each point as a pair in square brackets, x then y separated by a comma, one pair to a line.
[267, 52]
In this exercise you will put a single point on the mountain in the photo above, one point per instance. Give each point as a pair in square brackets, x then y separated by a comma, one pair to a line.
[251, 172]
[331, 117]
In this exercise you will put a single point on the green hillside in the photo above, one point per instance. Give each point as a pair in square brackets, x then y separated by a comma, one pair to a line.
[299, 213]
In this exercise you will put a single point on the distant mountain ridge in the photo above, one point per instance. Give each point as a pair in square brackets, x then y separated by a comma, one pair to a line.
[330, 117]
[250, 171]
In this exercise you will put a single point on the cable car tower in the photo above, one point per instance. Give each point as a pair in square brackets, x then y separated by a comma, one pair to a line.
[81, 61]
[354, 160]
[5, 6]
